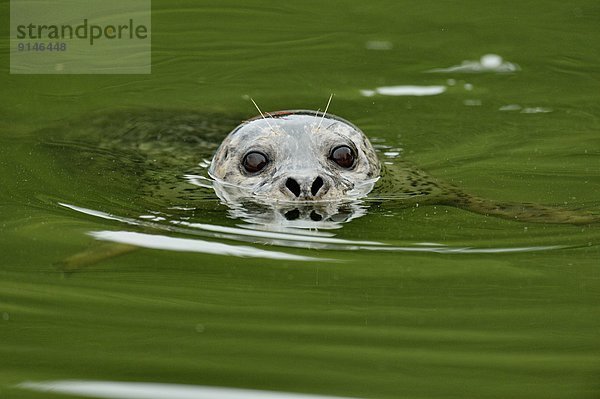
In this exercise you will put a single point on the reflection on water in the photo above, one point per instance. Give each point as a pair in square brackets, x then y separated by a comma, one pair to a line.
[193, 245]
[525, 110]
[487, 63]
[290, 216]
[293, 236]
[410, 90]
[145, 390]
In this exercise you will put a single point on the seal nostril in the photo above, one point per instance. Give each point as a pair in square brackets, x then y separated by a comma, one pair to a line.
[293, 186]
[292, 215]
[314, 216]
[316, 186]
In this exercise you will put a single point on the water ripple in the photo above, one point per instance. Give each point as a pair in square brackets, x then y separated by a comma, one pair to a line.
[269, 238]
[152, 390]
[154, 241]
[487, 63]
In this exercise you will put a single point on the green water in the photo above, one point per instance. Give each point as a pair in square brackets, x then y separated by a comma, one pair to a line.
[373, 324]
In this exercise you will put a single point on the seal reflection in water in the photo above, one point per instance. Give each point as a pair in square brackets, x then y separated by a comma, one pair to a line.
[300, 165]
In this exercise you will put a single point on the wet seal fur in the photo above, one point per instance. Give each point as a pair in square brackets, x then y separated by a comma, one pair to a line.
[298, 145]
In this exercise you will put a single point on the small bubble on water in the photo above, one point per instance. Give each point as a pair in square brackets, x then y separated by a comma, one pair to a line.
[536, 110]
[367, 93]
[491, 61]
[200, 328]
[510, 107]
[472, 103]
[5, 316]
[379, 45]
[468, 86]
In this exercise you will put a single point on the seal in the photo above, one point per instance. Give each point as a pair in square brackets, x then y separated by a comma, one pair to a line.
[309, 167]
[291, 170]
[297, 155]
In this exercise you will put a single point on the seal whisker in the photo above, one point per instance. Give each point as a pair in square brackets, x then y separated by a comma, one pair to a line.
[261, 114]
[326, 108]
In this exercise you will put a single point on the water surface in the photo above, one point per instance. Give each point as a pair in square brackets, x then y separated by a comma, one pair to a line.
[403, 301]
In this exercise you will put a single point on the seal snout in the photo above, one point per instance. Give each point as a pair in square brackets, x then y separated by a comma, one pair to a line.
[305, 188]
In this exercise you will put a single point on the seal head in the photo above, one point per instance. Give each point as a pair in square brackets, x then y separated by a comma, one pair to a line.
[295, 156]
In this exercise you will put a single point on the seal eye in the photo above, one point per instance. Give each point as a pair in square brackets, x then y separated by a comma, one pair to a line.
[254, 162]
[343, 156]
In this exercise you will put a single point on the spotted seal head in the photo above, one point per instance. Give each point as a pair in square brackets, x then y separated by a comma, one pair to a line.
[300, 156]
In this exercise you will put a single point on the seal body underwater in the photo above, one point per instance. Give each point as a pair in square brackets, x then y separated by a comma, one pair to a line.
[296, 165]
